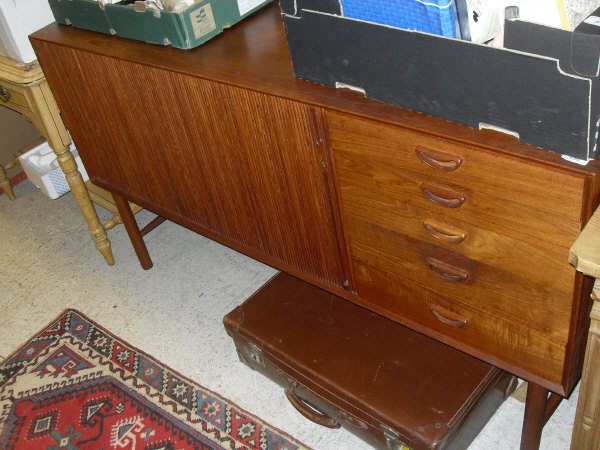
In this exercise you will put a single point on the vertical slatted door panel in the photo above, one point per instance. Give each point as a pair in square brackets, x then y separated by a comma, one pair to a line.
[241, 176]
[86, 121]
[283, 143]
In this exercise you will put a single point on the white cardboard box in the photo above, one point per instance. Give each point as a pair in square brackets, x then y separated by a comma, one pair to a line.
[18, 19]
[41, 166]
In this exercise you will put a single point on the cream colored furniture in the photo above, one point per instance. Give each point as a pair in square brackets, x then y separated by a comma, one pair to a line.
[4, 180]
[23, 88]
[105, 199]
[585, 256]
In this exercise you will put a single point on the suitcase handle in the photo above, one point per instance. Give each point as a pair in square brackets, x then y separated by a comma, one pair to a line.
[309, 411]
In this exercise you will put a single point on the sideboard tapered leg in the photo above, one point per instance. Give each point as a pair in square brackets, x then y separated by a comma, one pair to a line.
[133, 231]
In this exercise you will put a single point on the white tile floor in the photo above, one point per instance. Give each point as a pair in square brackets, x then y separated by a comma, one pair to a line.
[174, 311]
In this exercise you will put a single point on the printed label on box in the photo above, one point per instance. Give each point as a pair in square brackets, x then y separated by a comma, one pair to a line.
[203, 21]
[247, 5]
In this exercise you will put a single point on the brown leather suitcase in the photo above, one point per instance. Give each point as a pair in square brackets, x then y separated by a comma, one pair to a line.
[343, 365]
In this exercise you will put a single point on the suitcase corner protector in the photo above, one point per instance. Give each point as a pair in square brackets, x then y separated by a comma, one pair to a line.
[254, 353]
[392, 438]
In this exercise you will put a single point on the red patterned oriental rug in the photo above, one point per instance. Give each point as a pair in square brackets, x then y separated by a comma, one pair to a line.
[77, 386]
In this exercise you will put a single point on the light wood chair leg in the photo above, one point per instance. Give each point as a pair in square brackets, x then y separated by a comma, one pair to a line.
[133, 231]
[48, 121]
[113, 222]
[69, 167]
[5, 183]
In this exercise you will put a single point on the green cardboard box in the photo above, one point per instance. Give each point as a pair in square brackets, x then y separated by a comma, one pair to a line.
[88, 14]
[186, 29]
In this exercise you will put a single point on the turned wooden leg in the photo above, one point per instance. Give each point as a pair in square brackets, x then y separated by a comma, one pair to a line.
[133, 231]
[535, 416]
[69, 167]
[5, 183]
[48, 121]
[113, 222]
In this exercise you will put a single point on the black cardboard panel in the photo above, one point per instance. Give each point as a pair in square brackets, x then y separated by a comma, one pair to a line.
[586, 44]
[578, 54]
[291, 7]
[456, 80]
[539, 40]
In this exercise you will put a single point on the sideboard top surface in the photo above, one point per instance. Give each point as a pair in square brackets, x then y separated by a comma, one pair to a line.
[254, 55]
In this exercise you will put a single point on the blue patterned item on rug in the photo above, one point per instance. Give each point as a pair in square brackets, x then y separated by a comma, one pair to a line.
[430, 16]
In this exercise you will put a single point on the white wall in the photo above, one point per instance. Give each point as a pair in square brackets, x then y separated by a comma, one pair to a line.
[18, 19]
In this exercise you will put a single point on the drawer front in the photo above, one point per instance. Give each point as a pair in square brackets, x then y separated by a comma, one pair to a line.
[498, 341]
[538, 261]
[13, 96]
[371, 178]
[493, 174]
[503, 294]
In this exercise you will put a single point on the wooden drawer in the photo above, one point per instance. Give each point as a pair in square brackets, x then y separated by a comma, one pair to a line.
[503, 343]
[13, 96]
[371, 178]
[492, 174]
[507, 295]
[538, 261]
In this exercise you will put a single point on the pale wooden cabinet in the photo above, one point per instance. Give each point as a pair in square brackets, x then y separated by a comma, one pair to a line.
[585, 256]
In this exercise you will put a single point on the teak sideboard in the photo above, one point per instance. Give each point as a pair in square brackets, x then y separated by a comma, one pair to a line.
[458, 233]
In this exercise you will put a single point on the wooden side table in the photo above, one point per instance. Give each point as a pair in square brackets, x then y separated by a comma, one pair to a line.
[23, 88]
[4, 180]
[105, 199]
[585, 257]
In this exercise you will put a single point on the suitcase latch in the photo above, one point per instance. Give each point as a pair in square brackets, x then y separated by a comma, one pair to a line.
[392, 439]
[255, 353]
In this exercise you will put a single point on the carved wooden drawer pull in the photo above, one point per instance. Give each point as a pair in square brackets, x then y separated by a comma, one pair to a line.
[443, 196]
[438, 160]
[449, 317]
[444, 232]
[447, 271]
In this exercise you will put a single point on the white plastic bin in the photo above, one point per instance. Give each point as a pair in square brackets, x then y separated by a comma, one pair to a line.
[41, 166]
